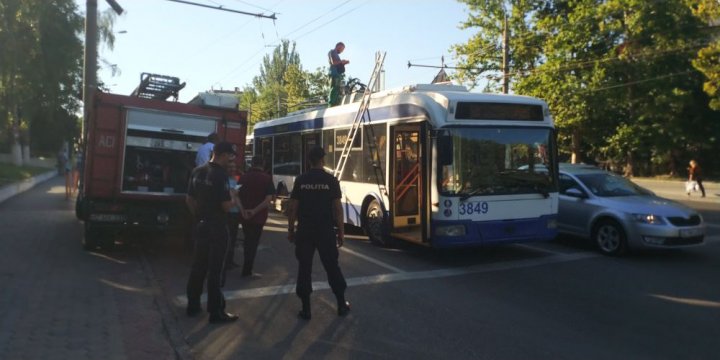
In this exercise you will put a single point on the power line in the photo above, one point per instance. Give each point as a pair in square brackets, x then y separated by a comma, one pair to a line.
[638, 81]
[239, 67]
[317, 18]
[335, 19]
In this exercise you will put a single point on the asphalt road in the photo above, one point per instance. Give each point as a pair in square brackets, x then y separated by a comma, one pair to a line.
[554, 300]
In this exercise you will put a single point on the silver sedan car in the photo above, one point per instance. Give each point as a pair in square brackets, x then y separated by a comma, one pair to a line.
[618, 214]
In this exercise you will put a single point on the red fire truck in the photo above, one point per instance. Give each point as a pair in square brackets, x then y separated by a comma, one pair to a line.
[139, 153]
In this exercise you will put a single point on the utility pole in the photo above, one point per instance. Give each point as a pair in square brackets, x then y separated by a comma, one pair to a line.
[506, 57]
[90, 68]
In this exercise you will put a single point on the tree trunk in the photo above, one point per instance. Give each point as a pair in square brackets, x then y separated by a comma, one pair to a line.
[576, 141]
[15, 148]
[629, 165]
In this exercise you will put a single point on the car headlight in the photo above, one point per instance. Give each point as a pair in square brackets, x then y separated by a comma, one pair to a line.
[648, 219]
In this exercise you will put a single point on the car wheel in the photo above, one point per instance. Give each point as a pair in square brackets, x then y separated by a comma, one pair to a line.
[610, 238]
[374, 224]
[90, 237]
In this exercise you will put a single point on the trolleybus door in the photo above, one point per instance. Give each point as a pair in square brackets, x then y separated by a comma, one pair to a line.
[406, 175]
[309, 141]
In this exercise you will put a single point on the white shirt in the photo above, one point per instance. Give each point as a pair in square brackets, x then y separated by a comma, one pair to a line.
[203, 154]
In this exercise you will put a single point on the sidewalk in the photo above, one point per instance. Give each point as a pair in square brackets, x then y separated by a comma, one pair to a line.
[675, 189]
[13, 189]
[61, 302]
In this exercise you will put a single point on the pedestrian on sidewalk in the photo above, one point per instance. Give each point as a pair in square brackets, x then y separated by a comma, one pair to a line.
[315, 205]
[209, 201]
[337, 73]
[69, 175]
[255, 193]
[695, 174]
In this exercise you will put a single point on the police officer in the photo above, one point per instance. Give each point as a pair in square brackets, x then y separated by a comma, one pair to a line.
[209, 200]
[315, 205]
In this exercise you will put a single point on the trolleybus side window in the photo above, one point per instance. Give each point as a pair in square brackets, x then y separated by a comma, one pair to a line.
[287, 155]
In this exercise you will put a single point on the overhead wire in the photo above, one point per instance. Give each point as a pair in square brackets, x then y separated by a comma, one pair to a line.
[240, 67]
[317, 18]
[333, 20]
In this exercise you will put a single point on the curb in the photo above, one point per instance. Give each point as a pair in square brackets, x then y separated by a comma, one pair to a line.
[170, 324]
[8, 191]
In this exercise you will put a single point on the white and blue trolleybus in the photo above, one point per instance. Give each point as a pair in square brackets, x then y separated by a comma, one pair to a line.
[452, 168]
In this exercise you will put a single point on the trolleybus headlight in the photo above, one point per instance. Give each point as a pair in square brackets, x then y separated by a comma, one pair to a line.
[163, 218]
[452, 230]
[552, 224]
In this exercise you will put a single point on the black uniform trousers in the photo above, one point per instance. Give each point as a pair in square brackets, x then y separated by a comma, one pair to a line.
[250, 244]
[324, 240]
[211, 246]
[233, 226]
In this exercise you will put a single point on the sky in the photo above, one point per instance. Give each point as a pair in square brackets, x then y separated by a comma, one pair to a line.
[212, 49]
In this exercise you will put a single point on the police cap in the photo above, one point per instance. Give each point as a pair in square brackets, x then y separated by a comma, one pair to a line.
[316, 154]
[224, 147]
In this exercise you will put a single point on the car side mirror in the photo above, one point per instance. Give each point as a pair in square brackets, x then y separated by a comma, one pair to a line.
[574, 192]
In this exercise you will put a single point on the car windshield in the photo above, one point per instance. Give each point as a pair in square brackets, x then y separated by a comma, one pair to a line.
[496, 161]
[609, 185]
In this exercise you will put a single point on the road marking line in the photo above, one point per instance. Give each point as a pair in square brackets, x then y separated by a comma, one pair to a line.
[372, 260]
[351, 252]
[538, 249]
[181, 300]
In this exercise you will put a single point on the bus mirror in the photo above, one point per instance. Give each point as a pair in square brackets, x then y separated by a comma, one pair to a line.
[445, 150]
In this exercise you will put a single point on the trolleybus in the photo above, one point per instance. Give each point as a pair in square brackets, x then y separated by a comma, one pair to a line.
[455, 168]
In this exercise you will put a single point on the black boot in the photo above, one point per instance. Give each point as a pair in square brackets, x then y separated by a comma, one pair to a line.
[305, 313]
[343, 305]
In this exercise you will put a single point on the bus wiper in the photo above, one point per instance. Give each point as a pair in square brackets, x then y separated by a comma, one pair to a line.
[474, 192]
[542, 190]
[532, 185]
[539, 189]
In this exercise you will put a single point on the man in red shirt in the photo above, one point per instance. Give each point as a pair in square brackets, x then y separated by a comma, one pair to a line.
[256, 192]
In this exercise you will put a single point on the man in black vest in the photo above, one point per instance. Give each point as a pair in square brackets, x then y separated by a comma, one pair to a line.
[315, 204]
[209, 200]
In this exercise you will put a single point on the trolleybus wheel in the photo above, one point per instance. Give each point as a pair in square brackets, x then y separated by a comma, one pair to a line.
[374, 225]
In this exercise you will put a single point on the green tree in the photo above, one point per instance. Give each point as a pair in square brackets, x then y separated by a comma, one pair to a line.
[269, 88]
[483, 52]
[708, 58]
[296, 87]
[617, 74]
[41, 70]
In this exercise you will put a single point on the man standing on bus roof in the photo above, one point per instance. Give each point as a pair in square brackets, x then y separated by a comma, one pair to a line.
[315, 204]
[205, 150]
[337, 71]
[209, 201]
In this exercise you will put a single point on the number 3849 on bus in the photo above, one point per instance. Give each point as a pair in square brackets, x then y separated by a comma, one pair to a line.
[473, 207]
